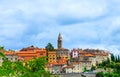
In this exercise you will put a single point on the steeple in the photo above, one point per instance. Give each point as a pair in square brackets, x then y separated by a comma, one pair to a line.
[59, 41]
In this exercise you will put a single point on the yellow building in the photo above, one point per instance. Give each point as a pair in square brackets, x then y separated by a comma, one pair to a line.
[52, 57]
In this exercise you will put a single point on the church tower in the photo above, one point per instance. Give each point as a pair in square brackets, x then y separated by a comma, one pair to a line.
[59, 41]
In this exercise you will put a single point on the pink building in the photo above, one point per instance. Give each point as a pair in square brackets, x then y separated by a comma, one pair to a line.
[75, 52]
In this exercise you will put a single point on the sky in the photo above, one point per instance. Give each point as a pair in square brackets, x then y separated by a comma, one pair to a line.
[82, 23]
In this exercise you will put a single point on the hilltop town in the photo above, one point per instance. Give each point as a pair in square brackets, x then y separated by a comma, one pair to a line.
[60, 60]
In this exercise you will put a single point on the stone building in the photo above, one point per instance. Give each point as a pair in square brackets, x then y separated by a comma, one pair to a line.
[56, 67]
[100, 55]
[59, 41]
[77, 67]
[62, 52]
[95, 56]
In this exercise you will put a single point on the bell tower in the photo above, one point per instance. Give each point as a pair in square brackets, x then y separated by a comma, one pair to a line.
[59, 41]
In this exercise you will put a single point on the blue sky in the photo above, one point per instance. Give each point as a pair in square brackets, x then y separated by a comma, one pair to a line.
[82, 23]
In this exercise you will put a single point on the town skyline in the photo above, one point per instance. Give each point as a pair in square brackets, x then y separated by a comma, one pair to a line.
[83, 24]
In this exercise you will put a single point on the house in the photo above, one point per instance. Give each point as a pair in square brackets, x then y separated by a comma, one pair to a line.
[63, 53]
[100, 55]
[68, 69]
[75, 52]
[11, 55]
[51, 56]
[77, 67]
[95, 56]
[30, 53]
[56, 67]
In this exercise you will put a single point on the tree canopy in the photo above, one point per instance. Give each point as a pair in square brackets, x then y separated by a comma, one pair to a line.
[2, 55]
[32, 68]
[2, 49]
[49, 47]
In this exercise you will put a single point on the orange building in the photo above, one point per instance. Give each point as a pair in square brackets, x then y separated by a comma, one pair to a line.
[31, 52]
[52, 57]
[11, 55]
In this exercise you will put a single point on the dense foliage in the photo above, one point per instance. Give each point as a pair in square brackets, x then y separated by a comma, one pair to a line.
[2, 49]
[49, 47]
[113, 65]
[32, 68]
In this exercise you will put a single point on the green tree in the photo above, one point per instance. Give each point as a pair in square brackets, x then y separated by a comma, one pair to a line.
[32, 68]
[2, 55]
[108, 61]
[36, 68]
[112, 57]
[2, 49]
[93, 68]
[49, 47]
[118, 58]
[100, 74]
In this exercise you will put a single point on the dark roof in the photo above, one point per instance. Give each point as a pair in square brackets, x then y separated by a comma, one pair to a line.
[29, 48]
[62, 49]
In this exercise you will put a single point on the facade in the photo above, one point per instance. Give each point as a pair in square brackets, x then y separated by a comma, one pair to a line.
[80, 61]
[68, 69]
[77, 67]
[63, 53]
[52, 57]
[11, 56]
[30, 53]
[57, 67]
[95, 56]
[75, 53]
[100, 55]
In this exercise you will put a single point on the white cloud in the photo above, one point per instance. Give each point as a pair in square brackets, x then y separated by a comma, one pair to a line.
[83, 23]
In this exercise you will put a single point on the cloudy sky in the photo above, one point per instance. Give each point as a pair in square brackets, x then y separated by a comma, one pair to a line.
[82, 23]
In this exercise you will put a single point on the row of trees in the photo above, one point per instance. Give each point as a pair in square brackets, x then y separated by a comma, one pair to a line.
[115, 58]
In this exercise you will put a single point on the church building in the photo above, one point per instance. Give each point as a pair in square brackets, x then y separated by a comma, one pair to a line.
[62, 53]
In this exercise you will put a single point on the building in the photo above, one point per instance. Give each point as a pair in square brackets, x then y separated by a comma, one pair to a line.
[11, 55]
[56, 67]
[68, 69]
[30, 53]
[75, 53]
[62, 53]
[95, 56]
[59, 41]
[51, 57]
[77, 67]
[100, 55]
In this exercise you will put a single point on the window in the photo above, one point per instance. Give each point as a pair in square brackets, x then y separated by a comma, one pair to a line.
[15, 58]
[41, 53]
